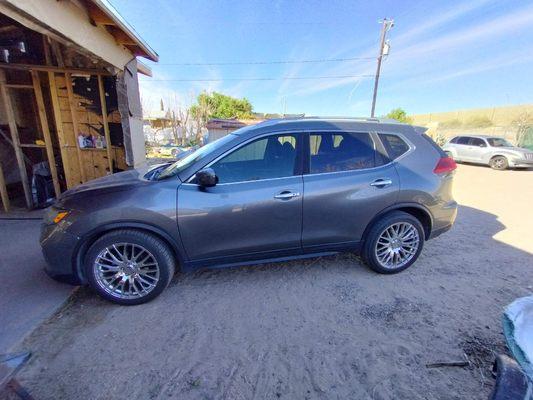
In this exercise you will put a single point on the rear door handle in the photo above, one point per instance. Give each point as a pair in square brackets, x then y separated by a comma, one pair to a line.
[286, 195]
[381, 183]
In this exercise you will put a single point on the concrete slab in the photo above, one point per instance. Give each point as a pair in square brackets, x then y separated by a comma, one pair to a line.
[27, 295]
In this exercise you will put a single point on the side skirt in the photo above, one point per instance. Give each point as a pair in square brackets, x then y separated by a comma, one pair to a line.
[310, 252]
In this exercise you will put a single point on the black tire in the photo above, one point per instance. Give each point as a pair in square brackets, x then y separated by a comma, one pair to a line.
[156, 247]
[368, 253]
[499, 163]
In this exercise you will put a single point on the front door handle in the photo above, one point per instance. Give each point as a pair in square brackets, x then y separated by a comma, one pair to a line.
[381, 183]
[286, 195]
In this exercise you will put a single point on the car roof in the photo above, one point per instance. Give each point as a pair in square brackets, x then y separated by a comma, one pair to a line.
[480, 136]
[324, 123]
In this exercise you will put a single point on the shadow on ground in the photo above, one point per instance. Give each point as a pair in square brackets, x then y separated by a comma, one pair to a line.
[315, 329]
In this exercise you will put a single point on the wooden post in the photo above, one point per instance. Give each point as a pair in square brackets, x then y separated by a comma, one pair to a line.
[46, 130]
[59, 126]
[15, 138]
[3, 190]
[105, 122]
[72, 104]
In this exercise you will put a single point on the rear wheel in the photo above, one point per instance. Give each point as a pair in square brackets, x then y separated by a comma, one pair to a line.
[129, 267]
[393, 243]
[499, 163]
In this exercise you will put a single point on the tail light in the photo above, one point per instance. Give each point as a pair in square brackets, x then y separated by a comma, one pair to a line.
[445, 165]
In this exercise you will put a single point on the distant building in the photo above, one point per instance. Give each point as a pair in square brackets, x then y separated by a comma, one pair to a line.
[218, 127]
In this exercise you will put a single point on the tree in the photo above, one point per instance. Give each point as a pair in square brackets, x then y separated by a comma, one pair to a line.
[218, 105]
[399, 115]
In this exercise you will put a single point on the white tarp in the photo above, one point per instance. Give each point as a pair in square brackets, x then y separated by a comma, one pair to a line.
[520, 314]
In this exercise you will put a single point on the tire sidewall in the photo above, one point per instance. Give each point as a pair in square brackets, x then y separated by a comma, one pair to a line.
[155, 246]
[369, 254]
[493, 163]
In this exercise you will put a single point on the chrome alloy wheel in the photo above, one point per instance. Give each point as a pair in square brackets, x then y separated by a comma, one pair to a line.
[397, 245]
[126, 270]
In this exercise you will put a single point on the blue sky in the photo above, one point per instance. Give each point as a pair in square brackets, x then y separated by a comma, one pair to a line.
[445, 55]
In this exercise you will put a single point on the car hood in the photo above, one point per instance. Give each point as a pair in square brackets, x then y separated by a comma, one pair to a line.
[111, 183]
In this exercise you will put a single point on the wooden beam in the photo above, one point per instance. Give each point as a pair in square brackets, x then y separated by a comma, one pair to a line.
[59, 127]
[121, 37]
[47, 68]
[72, 105]
[3, 190]
[99, 17]
[18, 86]
[56, 49]
[46, 130]
[105, 122]
[6, 97]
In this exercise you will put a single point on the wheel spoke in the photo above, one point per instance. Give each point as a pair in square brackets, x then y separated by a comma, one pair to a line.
[397, 245]
[126, 270]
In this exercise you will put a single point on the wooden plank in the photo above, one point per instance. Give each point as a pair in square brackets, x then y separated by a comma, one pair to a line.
[3, 190]
[105, 122]
[41, 110]
[46, 68]
[72, 105]
[15, 138]
[17, 86]
[59, 128]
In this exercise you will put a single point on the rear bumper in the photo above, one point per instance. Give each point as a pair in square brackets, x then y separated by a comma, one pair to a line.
[59, 251]
[443, 219]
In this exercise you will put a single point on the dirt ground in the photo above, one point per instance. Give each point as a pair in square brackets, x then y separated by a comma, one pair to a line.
[325, 328]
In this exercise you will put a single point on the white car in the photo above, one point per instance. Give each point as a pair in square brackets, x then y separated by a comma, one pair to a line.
[497, 152]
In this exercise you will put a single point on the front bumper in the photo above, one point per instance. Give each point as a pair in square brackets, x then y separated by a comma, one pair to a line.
[521, 163]
[59, 249]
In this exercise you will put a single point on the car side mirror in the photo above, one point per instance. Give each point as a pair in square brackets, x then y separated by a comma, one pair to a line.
[206, 177]
[482, 145]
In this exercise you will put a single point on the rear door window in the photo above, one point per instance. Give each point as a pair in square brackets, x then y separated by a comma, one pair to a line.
[477, 142]
[340, 151]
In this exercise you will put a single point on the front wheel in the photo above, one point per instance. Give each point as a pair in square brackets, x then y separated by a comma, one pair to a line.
[129, 267]
[499, 163]
[393, 243]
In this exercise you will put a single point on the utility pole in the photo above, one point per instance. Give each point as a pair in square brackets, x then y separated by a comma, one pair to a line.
[387, 25]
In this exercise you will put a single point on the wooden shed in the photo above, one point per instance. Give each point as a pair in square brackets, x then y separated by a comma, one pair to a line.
[69, 98]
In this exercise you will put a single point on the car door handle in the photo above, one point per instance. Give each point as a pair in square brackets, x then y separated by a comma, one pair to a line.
[381, 183]
[286, 195]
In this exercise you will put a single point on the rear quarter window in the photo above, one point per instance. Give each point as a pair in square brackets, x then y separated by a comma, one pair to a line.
[434, 145]
[394, 145]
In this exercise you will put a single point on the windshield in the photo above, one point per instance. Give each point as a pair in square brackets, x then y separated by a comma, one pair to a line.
[186, 162]
[499, 142]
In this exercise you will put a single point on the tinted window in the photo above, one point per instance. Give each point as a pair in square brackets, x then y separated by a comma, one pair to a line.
[477, 142]
[332, 152]
[455, 139]
[394, 145]
[499, 142]
[463, 140]
[266, 158]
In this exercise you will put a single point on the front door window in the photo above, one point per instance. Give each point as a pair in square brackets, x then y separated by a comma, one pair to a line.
[265, 158]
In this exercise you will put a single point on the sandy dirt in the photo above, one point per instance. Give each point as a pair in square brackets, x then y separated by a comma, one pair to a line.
[325, 328]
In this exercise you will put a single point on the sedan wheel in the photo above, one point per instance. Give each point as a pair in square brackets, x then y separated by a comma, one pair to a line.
[499, 163]
[393, 243]
[129, 267]
[126, 270]
[397, 245]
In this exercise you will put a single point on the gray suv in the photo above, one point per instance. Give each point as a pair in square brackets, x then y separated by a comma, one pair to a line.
[276, 191]
[497, 152]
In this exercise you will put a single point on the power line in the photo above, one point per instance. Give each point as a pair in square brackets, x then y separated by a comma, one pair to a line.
[259, 79]
[310, 61]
